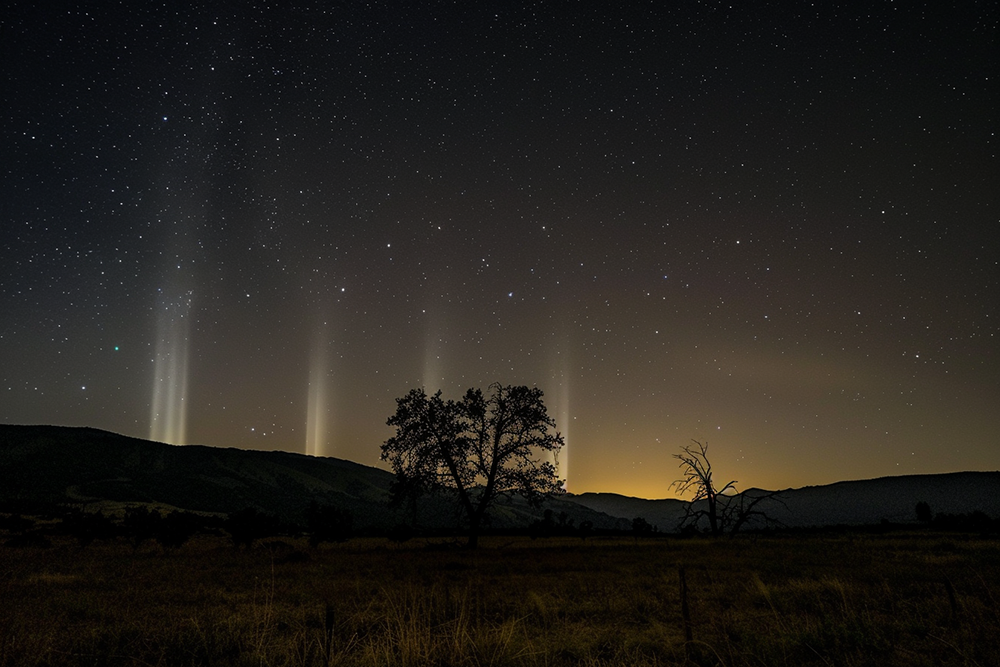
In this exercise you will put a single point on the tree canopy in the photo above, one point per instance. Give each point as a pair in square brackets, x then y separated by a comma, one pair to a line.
[483, 447]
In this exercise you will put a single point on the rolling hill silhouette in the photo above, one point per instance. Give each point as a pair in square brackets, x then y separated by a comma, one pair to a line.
[53, 465]
[57, 465]
[850, 503]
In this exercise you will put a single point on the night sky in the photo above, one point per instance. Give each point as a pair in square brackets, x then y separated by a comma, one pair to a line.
[771, 227]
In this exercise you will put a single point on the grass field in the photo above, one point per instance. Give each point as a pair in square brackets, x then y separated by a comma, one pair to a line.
[898, 599]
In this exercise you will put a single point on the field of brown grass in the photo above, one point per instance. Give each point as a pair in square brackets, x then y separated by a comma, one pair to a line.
[900, 599]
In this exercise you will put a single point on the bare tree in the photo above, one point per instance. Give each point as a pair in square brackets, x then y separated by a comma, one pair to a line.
[725, 509]
[483, 448]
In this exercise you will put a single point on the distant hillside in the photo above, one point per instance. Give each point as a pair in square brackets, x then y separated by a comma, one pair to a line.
[665, 515]
[852, 503]
[79, 465]
[52, 465]
[47, 465]
[892, 499]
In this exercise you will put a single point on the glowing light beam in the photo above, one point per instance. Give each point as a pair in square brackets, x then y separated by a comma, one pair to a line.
[433, 374]
[168, 409]
[317, 411]
[561, 411]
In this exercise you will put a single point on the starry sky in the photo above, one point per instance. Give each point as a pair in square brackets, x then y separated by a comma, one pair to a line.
[768, 226]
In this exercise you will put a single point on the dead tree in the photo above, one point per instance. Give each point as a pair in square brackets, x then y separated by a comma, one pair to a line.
[726, 510]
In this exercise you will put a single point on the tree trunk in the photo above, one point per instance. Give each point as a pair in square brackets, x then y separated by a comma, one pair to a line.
[713, 518]
[475, 522]
[473, 542]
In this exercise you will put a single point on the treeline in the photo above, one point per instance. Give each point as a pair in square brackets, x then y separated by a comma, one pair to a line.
[141, 525]
[977, 521]
[320, 524]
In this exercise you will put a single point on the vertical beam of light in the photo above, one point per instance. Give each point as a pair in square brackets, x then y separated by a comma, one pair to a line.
[561, 412]
[432, 379]
[317, 412]
[562, 424]
[168, 409]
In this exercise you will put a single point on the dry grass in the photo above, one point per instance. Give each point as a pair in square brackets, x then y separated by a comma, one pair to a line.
[854, 600]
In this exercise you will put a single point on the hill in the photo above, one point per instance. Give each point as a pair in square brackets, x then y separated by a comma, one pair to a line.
[57, 465]
[850, 503]
[892, 499]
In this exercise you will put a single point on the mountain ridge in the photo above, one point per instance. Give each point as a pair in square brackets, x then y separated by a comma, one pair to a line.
[84, 465]
[848, 502]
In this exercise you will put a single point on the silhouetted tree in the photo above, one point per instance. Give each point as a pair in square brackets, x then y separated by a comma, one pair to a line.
[248, 525]
[544, 527]
[924, 514]
[726, 510]
[405, 492]
[698, 477]
[481, 447]
[400, 533]
[741, 509]
[177, 528]
[641, 527]
[89, 526]
[328, 524]
[140, 524]
[977, 521]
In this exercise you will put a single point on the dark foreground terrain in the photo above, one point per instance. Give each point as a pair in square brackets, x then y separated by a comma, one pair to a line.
[847, 599]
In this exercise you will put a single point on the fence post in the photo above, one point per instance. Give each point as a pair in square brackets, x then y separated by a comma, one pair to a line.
[685, 612]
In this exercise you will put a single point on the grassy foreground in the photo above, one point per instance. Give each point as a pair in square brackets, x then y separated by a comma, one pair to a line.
[807, 600]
